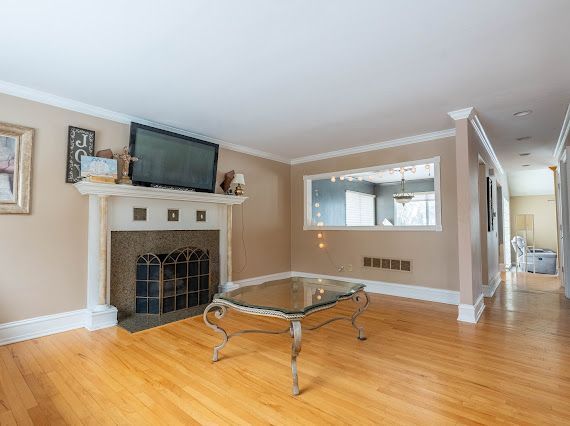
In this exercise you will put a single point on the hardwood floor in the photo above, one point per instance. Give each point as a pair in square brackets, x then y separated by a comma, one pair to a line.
[419, 365]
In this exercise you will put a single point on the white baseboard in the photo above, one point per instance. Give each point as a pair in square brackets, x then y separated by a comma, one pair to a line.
[17, 331]
[32, 328]
[471, 313]
[429, 294]
[489, 290]
[96, 320]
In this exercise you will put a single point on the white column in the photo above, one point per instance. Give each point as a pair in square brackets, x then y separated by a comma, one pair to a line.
[229, 248]
[103, 255]
[99, 313]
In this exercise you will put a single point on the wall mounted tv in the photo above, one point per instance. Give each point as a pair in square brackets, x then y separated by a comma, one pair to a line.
[172, 160]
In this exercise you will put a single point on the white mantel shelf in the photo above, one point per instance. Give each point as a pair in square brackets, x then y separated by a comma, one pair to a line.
[118, 190]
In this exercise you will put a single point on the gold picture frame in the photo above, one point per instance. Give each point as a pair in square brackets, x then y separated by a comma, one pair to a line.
[15, 168]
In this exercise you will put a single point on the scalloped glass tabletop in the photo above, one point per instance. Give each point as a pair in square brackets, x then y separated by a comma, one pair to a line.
[291, 295]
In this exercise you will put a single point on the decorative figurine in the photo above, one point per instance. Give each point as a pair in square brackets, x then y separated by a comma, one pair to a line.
[239, 180]
[126, 160]
[227, 182]
[104, 153]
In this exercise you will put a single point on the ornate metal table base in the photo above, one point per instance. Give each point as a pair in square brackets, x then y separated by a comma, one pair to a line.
[220, 307]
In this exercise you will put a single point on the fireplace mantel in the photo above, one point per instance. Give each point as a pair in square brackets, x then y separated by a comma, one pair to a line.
[111, 208]
[111, 190]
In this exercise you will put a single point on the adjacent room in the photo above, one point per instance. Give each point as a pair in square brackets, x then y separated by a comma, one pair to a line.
[324, 212]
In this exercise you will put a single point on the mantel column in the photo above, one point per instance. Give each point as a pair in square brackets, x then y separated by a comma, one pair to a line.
[229, 249]
[103, 214]
[99, 313]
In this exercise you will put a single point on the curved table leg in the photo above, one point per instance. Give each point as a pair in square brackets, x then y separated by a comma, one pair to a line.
[219, 313]
[295, 349]
[361, 299]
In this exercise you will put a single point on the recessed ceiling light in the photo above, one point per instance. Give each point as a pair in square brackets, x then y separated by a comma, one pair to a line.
[526, 165]
[522, 113]
[524, 154]
[524, 138]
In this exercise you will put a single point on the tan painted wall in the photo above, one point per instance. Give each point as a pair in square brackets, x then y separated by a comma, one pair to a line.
[43, 265]
[489, 239]
[469, 241]
[483, 222]
[543, 208]
[266, 215]
[474, 259]
[489, 254]
[434, 254]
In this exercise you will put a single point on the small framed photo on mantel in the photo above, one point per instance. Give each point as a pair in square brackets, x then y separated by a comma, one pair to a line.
[80, 142]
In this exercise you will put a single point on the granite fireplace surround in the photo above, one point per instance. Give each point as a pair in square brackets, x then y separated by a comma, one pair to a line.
[127, 246]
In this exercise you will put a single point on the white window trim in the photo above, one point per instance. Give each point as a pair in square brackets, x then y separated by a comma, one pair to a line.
[308, 199]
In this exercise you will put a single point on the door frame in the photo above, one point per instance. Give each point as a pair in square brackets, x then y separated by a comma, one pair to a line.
[563, 195]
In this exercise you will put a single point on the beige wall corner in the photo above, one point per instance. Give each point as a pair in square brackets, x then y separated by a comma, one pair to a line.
[478, 247]
[468, 226]
[265, 217]
[434, 254]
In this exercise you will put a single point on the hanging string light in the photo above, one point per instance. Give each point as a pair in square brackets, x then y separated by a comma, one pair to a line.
[319, 222]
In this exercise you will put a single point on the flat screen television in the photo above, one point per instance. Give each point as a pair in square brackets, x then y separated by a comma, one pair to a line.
[172, 160]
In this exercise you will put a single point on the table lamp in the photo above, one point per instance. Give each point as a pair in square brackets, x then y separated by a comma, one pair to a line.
[239, 180]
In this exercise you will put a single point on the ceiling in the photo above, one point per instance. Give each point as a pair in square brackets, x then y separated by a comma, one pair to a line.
[299, 78]
[531, 182]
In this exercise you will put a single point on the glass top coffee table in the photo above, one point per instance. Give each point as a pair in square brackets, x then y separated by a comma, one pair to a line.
[291, 299]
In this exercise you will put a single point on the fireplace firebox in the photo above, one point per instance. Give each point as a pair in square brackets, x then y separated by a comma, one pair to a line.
[172, 281]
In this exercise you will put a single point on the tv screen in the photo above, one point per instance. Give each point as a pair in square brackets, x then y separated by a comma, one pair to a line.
[170, 159]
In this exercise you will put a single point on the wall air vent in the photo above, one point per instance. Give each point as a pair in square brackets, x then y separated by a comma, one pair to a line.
[388, 264]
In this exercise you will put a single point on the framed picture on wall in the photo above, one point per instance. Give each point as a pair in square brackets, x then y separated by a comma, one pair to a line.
[490, 213]
[80, 142]
[15, 168]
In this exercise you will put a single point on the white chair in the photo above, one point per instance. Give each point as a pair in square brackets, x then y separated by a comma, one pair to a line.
[522, 251]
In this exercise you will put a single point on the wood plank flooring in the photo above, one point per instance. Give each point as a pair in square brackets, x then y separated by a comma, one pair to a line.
[418, 366]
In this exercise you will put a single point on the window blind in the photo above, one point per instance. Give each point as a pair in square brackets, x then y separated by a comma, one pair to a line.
[360, 209]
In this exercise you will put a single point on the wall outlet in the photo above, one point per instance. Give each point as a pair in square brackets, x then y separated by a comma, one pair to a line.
[349, 268]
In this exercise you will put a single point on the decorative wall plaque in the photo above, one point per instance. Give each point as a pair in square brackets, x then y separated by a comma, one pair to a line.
[80, 142]
[173, 215]
[139, 214]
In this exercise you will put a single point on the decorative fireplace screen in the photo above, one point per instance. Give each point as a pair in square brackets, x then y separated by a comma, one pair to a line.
[173, 281]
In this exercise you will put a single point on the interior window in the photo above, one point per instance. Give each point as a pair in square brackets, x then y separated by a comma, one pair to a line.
[386, 197]
[420, 211]
[360, 209]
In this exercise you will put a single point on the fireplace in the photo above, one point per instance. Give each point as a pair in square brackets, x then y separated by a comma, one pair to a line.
[162, 276]
[118, 234]
[173, 281]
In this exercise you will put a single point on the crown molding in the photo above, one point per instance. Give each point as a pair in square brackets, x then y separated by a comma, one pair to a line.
[424, 137]
[563, 135]
[461, 113]
[95, 111]
[486, 142]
